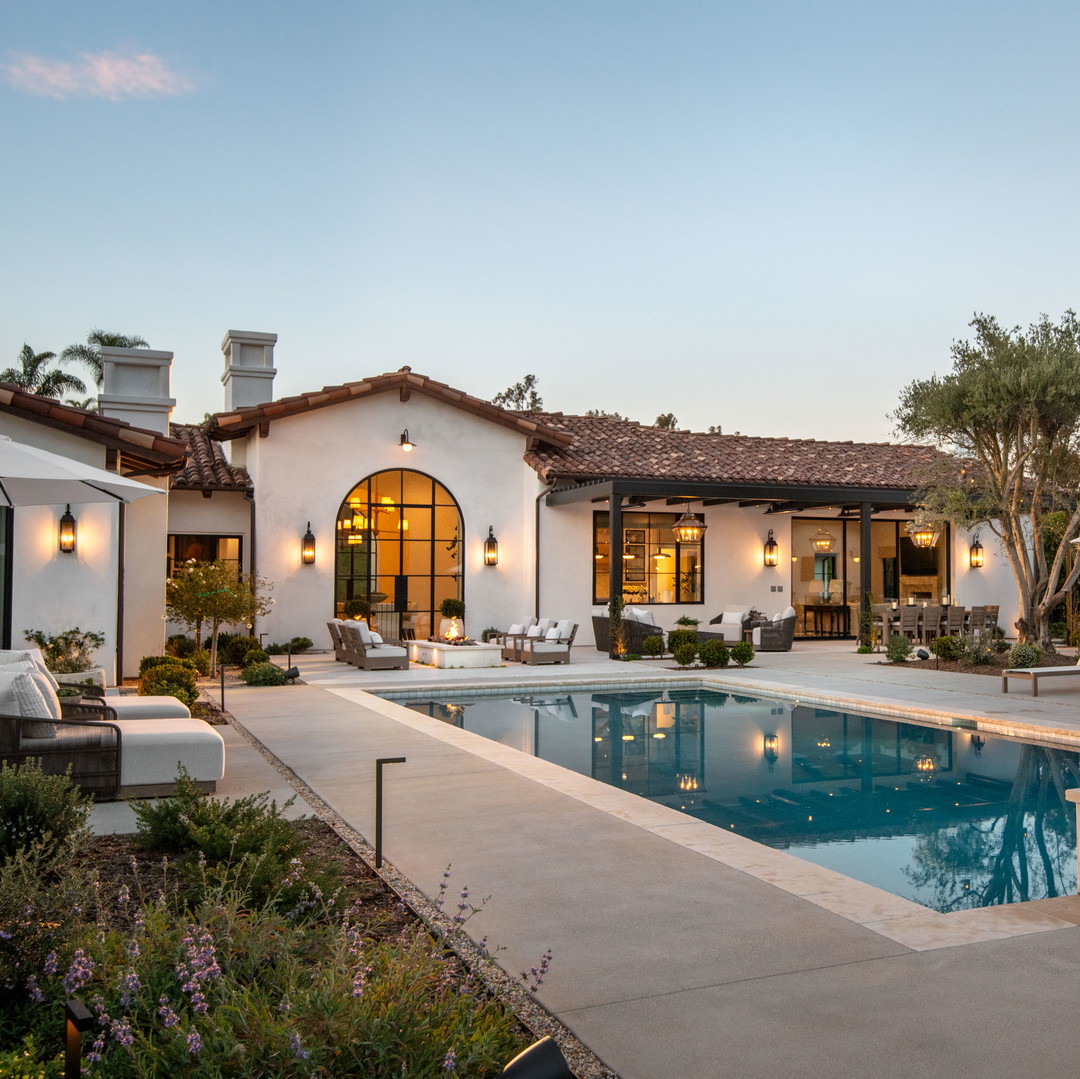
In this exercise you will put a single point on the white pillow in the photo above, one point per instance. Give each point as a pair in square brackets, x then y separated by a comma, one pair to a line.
[375, 637]
[32, 655]
[552, 634]
[564, 628]
[516, 630]
[733, 616]
[776, 617]
[365, 632]
[649, 618]
[789, 612]
[20, 696]
[52, 701]
[535, 631]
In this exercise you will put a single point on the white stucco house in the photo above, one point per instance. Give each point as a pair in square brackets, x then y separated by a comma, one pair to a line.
[404, 482]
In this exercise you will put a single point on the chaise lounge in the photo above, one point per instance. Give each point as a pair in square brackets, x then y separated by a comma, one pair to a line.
[1033, 674]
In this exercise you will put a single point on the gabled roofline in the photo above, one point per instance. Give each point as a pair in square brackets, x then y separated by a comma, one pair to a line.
[141, 452]
[241, 421]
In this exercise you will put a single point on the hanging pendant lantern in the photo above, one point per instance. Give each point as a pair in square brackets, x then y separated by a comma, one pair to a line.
[822, 541]
[689, 529]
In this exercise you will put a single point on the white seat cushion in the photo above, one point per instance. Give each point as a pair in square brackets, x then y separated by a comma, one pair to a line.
[733, 616]
[789, 612]
[516, 630]
[151, 752]
[21, 696]
[386, 650]
[364, 630]
[148, 707]
[33, 655]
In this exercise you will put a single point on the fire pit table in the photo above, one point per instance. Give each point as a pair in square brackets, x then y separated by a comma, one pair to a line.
[445, 654]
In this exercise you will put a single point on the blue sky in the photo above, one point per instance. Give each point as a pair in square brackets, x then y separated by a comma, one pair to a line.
[768, 216]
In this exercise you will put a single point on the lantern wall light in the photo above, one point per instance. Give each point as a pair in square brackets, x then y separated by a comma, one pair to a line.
[406, 443]
[307, 547]
[68, 531]
[976, 555]
[771, 551]
[770, 749]
[491, 548]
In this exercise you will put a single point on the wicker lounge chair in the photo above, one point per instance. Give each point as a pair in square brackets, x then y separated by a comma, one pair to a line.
[341, 653]
[370, 652]
[777, 635]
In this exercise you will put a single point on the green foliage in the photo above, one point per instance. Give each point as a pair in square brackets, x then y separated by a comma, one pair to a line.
[358, 607]
[978, 652]
[263, 674]
[666, 421]
[255, 655]
[685, 654]
[201, 658]
[236, 648]
[34, 375]
[631, 656]
[39, 808]
[299, 645]
[1024, 655]
[864, 649]
[947, 647]
[30, 1062]
[1059, 630]
[90, 354]
[1011, 406]
[213, 593]
[714, 653]
[68, 652]
[149, 663]
[742, 652]
[178, 678]
[452, 608]
[488, 633]
[615, 618]
[898, 649]
[180, 645]
[523, 396]
[686, 620]
[653, 646]
[678, 637]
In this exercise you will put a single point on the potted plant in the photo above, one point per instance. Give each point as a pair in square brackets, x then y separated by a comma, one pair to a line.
[357, 608]
[453, 618]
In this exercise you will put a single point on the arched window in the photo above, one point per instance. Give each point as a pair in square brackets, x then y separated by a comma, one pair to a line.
[400, 539]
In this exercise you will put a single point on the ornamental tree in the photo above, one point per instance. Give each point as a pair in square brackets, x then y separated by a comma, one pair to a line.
[215, 594]
[1009, 414]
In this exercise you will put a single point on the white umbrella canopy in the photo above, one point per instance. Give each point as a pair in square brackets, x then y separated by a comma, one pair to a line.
[33, 477]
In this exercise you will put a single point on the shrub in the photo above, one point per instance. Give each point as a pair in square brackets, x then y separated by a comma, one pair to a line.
[201, 658]
[864, 650]
[679, 637]
[30, 1062]
[947, 647]
[714, 653]
[148, 663]
[255, 655]
[488, 633]
[68, 652]
[180, 645]
[36, 808]
[977, 652]
[1024, 655]
[632, 656]
[685, 653]
[452, 608]
[237, 648]
[898, 649]
[686, 620]
[356, 608]
[653, 646]
[264, 674]
[742, 652]
[177, 678]
[300, 644]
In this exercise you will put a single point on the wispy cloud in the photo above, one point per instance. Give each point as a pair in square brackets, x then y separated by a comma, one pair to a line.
[107, 74]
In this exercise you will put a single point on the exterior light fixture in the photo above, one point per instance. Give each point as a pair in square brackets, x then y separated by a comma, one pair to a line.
[491, 548]
[922, 534]
[688, 528]
[976, 555]
[771, 551]
[977, 744]
[822, 541]
[307, 547]
[770, 749]
[406, 442]
[925, 764]
[68, 532]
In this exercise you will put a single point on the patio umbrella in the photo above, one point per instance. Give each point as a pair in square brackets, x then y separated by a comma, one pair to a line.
[33, 477]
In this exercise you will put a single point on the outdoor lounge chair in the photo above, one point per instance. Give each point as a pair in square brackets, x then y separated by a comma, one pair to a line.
[369, 652]
[729, 627]
[512, 638]
[553, 647]
[341, 653]
[777, 635]
[638, 623]
[1033, 674]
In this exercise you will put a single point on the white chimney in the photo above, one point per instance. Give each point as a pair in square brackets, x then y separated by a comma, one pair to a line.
[249, 368]
[135, 387]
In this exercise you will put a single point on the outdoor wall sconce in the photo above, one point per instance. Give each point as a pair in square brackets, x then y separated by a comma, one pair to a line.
[976, 554]
[307, 547]
[689, 529]
[977, 744]
[771, 749]
[68, 531]
[406, 442]
[822, 541]
[771, 551]
[491, 548]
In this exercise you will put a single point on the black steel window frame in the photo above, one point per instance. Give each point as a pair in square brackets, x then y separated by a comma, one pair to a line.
[632, 523]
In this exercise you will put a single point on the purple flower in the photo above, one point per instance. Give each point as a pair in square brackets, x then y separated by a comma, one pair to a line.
[79, 973]
[94, 1052]
[299, 1052]
[123, 895]
[50, 966]
[449, 1063]
[129, 986]
[122, 1032]
[168, 1016]
[194, 1042]
[359, 982]
[36, 994]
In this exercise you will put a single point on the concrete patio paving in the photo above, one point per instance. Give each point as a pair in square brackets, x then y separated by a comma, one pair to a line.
[679, 949]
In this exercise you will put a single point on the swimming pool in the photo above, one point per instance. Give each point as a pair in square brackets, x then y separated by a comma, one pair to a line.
[947, 818]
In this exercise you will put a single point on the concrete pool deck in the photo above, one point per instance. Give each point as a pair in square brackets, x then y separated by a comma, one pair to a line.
[680, 949]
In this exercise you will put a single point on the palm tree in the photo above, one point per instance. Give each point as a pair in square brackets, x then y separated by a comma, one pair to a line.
[90, 353]
[32, 375]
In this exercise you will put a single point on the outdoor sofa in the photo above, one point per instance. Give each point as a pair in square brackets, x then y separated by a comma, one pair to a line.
[777, 634]
[638, 623]
[553, 647]
[368, 651]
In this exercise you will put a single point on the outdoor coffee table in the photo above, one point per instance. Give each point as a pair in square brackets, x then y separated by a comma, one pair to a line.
[443, 654]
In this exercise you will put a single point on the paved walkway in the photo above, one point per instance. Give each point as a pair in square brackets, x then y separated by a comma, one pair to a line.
[681, 950]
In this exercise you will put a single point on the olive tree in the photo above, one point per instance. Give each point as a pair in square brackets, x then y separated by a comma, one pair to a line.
[1009, 415]
[214, 594]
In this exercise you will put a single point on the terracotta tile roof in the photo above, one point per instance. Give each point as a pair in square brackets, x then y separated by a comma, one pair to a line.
[141, 451]
[228, 425]
[604, 447]
[207, 468]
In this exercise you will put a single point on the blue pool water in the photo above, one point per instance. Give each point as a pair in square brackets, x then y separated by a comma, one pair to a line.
[944, 817]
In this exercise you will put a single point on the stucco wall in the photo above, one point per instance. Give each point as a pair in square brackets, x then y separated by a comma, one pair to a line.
[308, 464]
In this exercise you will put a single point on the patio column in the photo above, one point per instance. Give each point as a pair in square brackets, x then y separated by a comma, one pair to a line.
[865, 566]
[615, 541]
